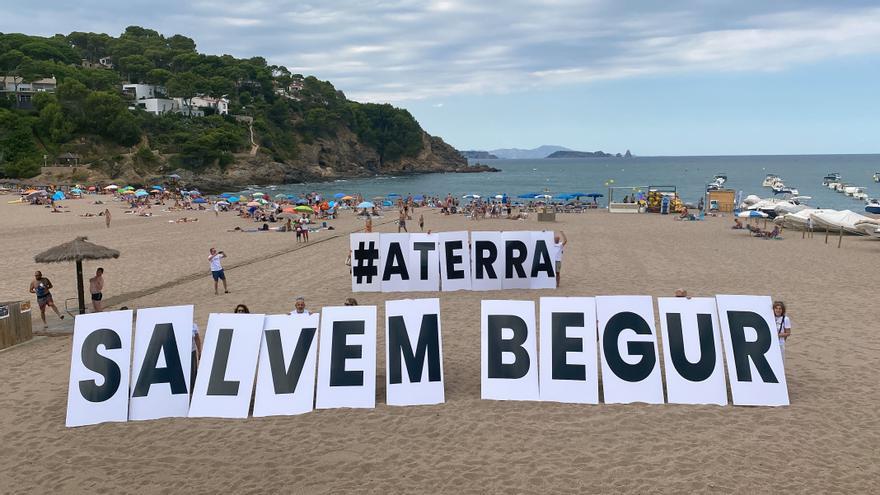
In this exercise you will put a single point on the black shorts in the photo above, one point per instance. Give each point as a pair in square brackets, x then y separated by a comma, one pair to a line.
[97, 296]
[218, 275]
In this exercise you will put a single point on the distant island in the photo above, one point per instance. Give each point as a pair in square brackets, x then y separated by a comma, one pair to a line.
[587, 154]
[478, 155]
[544, 151]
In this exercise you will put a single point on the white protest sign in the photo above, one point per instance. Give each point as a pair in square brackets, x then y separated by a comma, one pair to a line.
[518, 255]
[347, 357]
[508, 351]
[365, 259]
[628, 346]
[413, 352]
[162, 363]
[543, 275]
[394, 266]
[569, 363]
[424, 262]
[754, 360]
[225, 378]
[692, 351]
[455, 261]
[100, 364]
[286, 373]
[487, 260]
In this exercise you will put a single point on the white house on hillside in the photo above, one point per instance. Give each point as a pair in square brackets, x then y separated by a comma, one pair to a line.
[220, 105]
[142, 91]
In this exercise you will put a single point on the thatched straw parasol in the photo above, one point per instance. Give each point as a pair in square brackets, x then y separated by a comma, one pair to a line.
[77, 250]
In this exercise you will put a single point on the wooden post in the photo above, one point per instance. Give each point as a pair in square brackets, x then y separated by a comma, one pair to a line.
[79, 287]
[826, 236]
[804, 234]
[840, 237]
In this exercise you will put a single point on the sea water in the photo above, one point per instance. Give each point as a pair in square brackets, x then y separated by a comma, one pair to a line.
[689, 175]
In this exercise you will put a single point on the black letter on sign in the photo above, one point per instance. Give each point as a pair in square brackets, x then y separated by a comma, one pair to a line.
[394, 263]
[398, 343]
[743, 350]
[101, 365]
[423, 248]
[217, 384]
[172, 374]
[515, 261]
[625, 371]
[485, 262]
[542, 262]
[498, 346]
[453, 259]
[285, 380]
[339, 352]
[561, 344]
[702, 369]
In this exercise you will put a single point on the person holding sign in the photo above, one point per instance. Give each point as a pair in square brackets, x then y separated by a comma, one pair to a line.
[783, 324]
[217, 269]
[559, 242]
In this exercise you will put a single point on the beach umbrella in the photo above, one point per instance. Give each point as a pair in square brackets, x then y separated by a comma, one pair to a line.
[304, 208]
[222, 203]
[232, 199]
[140, 193]
[394, 195]
[158, 188]
[281, 196]
[91, 188]
[77, 250]
[578, 194]
[200, 200]
[257, 194]
[753, 214]
[261, 201]
[58, 196]
[471, 196]
[35, 192]
[289, 209]
[243, 199]
[254, 204]
[76, 190]
[331, 204]
[565, 196]
[594, 195]
[346, 198]
[194, 192]
[301, 201]
[340, 195]
[111, 187]
[365, 204]
[528, 195]
[387, 203]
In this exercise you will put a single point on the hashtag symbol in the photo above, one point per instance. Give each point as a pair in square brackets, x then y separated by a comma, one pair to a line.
[365, 257]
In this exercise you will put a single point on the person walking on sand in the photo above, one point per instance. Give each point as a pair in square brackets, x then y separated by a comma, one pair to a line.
[107, 217]
[421, 222]
[40, 286]
[96, 287]
[559, 242]
[368, 228]
[217, 270]
[401, 222]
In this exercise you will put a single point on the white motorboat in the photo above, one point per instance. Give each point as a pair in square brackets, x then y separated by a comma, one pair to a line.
[769, 180]
[829, 178]
[869, 227]
[840, 187]
[876, 176]
[850, 190]
[833, 185]
[872, 206]
[750, 200]
[861, 194]
[786, 207]
[835, 221]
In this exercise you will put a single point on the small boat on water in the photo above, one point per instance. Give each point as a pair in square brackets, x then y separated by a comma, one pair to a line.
[770, 180]
[720, 178]
[860, 193]
[876, 176]
[873, 206]
[829, 178]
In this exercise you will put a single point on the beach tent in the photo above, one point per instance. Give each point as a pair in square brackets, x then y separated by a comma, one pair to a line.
[77, 250]
[58, 196]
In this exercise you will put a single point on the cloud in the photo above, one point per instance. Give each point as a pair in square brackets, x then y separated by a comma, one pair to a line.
[399, 50]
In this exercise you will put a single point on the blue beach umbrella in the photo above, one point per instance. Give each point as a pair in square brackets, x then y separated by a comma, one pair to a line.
[76, 190]
[339, 195]
[158, 188]
[387, 203]
[232, 199]
[594, 195]
[365, 204]
[200, 200]
[753, 214]
[301, 201]
[528, 195]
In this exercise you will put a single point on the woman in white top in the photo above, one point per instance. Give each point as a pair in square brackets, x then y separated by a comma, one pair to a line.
[783, 325]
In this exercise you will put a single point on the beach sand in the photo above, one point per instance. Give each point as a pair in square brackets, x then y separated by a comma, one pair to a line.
[828, 440]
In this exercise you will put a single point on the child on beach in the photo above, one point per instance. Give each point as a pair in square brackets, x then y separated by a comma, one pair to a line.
[783, 325]
[40, 286]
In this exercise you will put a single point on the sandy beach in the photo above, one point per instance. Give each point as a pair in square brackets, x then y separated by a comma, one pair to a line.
[826, 441]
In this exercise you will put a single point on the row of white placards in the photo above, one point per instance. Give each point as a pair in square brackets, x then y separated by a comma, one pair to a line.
[578, 337]
[451, 261]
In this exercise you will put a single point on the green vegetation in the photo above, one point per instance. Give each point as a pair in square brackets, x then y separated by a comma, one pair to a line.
[287, 109]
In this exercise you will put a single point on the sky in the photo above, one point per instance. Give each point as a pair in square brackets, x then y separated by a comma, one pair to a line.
[675, 77]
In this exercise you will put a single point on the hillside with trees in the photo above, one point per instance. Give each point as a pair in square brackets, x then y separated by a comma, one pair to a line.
[280, 126]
